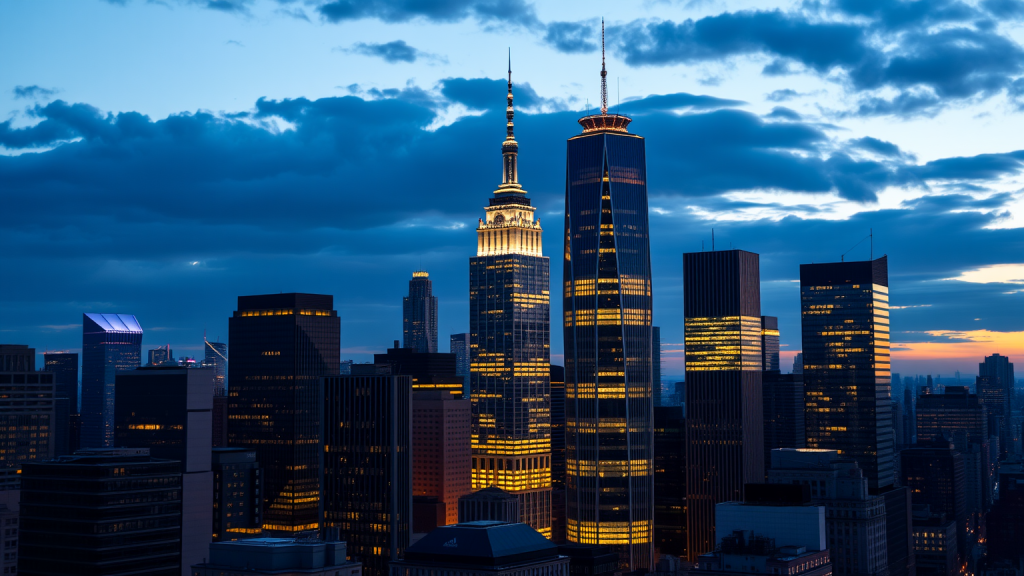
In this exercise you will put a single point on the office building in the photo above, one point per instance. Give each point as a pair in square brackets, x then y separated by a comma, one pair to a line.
[429, 370]
[845, 334]
[935, 474]
[855, 520]
[558, 454]
[724, 413]
[440, 452]
[81, 514]
[168, 411]
[161, 356]
[419, 314]
[669, 480]
[64, 366]
[217, 360]
[995, 389]
[220, 422]
[111, 343]
[590, 559]
[656, 365]
[935, 539]
[782, 396]
[277, 557]
[769, 344]
[899, 538]
[509, 331]
[237, 504]
[459, 345]
[482, 548]
[798, 363]
[491, 504]
[281, 345]
[27, 408]
[9, 548]
[1005, 523]
[367, 446]
[608, 340]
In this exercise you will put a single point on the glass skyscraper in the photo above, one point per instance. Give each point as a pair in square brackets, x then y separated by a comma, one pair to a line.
[608, 341]
[217, 359]
[724, 417]
[769, 343]
[419, 314]
[110, 343]
[845, 332]
[281, 346]
[509, 325]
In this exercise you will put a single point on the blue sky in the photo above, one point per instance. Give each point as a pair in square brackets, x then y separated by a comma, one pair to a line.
[161, 158]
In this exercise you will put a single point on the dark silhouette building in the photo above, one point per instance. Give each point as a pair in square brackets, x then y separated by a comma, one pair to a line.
[770, 344]
[110, 343]
[995, 387]
[669, 480]
[608, 341]
[845, 334]
[237, 504]
[656, 365]
[162, 356]
[782, 396]
[440, 454]
[557, 454]
[27, 408]
[510, 336]
[934, 472]
[64, 366]
[459, 345]
[590, 560]
[419, 314]
[935, 539]
[724, 415]
[1005, 523]
[108, 511]
[429, 370]
[217, 360]
[278, 557]
[281, 346]
[367, 451]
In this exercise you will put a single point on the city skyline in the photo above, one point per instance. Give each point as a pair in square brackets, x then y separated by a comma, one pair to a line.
[937, 215]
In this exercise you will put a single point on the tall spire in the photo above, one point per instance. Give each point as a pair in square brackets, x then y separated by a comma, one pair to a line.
[510, 148]
[604, 75]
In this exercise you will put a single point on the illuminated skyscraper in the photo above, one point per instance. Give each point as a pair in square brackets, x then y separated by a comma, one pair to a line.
[845, 327]
[608, 341]
[110, 343]
[419, 314]
[509, 325]
[724, 418]
[281, 345]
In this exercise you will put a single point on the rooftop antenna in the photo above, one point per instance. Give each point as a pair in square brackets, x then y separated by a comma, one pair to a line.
[871, 237]
[604, 75]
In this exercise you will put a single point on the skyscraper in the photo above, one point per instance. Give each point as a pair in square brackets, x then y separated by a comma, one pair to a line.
[110, 343]
[769, 343]
[281, 345]
[429, 370]
[845, 332]
[656, 365]
[509, 326]
[995, 388]
[237, 504]
[161, 356]
[934, 471]
[459, 345]
[64, 366]
[783, 399]
[440, 450]
[27, 411]
[216, 359]
[670, 480]
[419, 314]
[608, 340]
[724, 414]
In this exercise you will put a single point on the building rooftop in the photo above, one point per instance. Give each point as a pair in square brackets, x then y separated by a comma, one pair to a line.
[115, 322]
[483, 543]
[492, 493]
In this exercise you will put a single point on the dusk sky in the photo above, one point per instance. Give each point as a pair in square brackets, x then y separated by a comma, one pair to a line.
[160, 158]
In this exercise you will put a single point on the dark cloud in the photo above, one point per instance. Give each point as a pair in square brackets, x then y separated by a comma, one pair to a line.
[395, 51]
[877, 146]
[980, 167]
[33, 92]
[681, 100]
[783, 95]
[510, 11]
[1004, 8]
[488, 94]
[783, 113]
[572, 37]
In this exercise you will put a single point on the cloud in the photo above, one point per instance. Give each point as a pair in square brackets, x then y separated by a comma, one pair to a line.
[488, 94]
[783, 95]
[392, 52]
[997, 273]
[510, 11]
[680, 100]
[235, 43]
[980, 167]
[783, 113]
[572, 37]
[33, 92]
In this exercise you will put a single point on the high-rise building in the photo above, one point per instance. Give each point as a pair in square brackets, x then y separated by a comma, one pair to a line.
[783, 399]
[217, 360]
[656, 365]
[161, 356]
[460, 347]
[237, 504]
[669, 480]
[110, 343]
[935, 540]
[440, 451]
[367, 459]
[277, 557]
[482, 549]
[845, 333]
[1005, 523]
[935, 474]
[798, 363]
[509, 326]
[429, 370]
[996, 390]
[607, 309]
[724, 413]
[64, 366]
[103, 511]
[27, 408]
[909, 420]
[281, 345]
[419, 314]
[769, 343]
[557, 454]
[167, 410]
[855, 520]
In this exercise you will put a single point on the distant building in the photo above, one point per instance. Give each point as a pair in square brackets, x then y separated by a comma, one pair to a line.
[419, 314]
[277, 557]
[996, 391]
[782, 396]
[27, 408]
[168, 411]
[429, 370]
[669, 480]
[368, 427]
[440, 454]
[798, 363]
[80, 515]
[935, 474]
[459, 345]
[769, 343]
[482, 548]
[161, 356]
[1005, 523]
[217, 360]
[490, 504]
[935, 541]
[237, 503]
[111, 343]
[64, 366]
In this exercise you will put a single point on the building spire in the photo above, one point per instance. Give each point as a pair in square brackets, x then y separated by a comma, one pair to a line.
[510, 148]
[604, 75]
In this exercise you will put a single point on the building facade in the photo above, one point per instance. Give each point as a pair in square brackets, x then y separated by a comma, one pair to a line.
[769, 344]
[27, 409]
[995, 387]
[367, 451]
[782, 396]
[419, 314]
[237, 503]
[669, 480]
[281, 346]
[845, 335]
[217, 360]
[607, 307]
[110, 343]
[277, 557]
[935, 474]
[441, 450]
[724, 413]
[490, 504]
[509, 325]
[429, 370]
[459, 345]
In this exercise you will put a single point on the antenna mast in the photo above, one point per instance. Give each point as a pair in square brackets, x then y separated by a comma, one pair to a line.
[604, 75]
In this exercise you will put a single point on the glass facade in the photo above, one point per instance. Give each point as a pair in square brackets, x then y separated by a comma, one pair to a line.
[769, 343]
[845, 333]
[64, 366]
[509, 331]
[110, 343]
[419, 315]
[670, 480]
[281, 346]
[217, 359]
[724, 415]
[608, 342]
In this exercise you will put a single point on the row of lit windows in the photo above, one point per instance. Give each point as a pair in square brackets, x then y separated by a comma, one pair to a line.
[284, 312]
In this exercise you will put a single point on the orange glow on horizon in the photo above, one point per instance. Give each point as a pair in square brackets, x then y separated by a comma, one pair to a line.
[971, 344]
